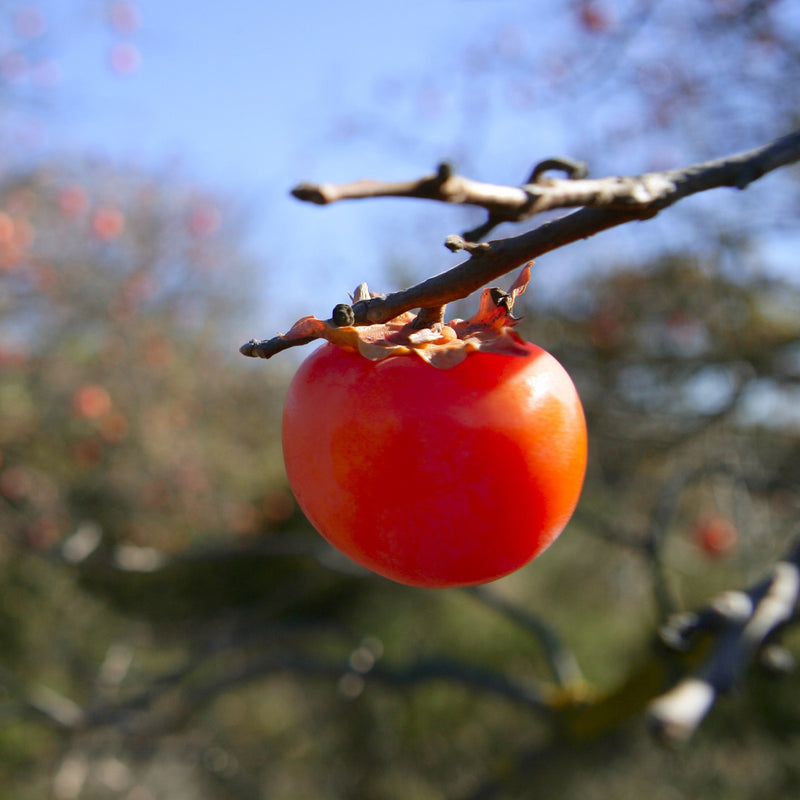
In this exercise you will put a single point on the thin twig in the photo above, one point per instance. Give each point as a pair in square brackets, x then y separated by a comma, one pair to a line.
[443, 187]
[503, 203]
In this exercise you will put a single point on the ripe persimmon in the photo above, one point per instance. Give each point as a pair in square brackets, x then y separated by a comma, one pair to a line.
[716, 535]
[451, 461]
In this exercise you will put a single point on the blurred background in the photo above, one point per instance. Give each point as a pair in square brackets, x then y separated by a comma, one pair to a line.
[170, 626]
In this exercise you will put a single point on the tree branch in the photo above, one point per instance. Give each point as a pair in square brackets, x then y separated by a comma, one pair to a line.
[138, 715]
[606, 203]
[743, 622]
[541, 193]
[561, 661]
[503, 203]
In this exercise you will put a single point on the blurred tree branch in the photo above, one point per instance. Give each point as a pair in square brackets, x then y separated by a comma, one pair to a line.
[560, 660]
[700, 655]
[743, 623]
[604, 204]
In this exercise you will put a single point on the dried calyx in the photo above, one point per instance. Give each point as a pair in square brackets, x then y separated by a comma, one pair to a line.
[443, 344]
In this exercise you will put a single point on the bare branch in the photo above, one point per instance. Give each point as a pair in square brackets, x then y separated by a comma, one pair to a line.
[607, 203]
[540, 193]
[503, 203]
[444, 187]
[494, 259]
[743, 622]
[561, 661]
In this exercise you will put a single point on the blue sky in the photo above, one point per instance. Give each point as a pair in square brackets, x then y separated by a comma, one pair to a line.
[235, 90]
[252, 97]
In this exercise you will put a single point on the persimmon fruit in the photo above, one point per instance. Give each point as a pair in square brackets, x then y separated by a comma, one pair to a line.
[450, 469]
[716, 535]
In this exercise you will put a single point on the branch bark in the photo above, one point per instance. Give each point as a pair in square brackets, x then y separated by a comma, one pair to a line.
[503, 203]
[606, 203]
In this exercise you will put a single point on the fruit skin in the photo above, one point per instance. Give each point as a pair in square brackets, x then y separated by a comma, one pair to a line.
[435, 477]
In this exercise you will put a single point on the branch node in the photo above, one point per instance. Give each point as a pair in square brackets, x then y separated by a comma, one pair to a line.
[572, 168]
[310, 193]
[250, 348]
[456, 243]
[369, 310]
[342, 315]
[444, 172]
[746, 175]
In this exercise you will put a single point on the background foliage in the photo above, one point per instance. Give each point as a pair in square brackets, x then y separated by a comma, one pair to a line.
[171, 627]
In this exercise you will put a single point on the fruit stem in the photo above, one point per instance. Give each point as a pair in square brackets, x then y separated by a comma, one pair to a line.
[428, 317]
